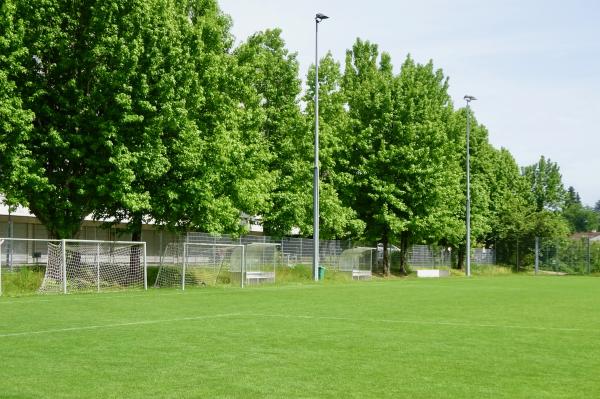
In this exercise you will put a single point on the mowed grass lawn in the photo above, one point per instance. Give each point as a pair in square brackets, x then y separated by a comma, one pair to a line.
[529, 337]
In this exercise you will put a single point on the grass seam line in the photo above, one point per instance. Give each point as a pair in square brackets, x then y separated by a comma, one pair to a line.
[435, 322]
[113, 325]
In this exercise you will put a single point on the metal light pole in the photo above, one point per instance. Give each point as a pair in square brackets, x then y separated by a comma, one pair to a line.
[468, 99]
[318, 18]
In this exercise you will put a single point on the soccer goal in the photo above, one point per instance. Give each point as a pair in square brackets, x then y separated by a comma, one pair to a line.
[90, 265]
[358, 261]
[198, 264]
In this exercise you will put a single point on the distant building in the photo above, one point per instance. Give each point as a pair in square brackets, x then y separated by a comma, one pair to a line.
[21, 223]
[592, 235]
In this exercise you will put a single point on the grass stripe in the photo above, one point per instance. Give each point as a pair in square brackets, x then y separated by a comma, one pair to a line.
[113, 325]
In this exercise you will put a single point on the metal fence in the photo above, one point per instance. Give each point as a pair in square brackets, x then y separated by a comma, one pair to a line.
[294, 250]
[567, 256]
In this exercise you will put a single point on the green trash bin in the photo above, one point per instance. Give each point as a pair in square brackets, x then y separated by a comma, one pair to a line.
[321, 273]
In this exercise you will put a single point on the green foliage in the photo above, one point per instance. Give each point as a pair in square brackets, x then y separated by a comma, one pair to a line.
[580, 218]
[135, 114]
[396, 145]
[338, 220]
[271, 73]
[23, 280]
[546, 185]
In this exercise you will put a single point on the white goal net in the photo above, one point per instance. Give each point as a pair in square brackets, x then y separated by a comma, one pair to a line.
[198, 264]
[82, 265]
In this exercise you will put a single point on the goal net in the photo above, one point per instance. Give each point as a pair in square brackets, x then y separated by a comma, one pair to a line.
[82, 265]
[198, 264]
[358, 261]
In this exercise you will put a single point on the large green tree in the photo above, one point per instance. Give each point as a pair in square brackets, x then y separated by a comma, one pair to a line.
[272, 73]
[396, 146]
[580, 218]
[15, 120]
[132, 114]
[548, 199]
[546, 184]
[337, 219]
[482, 185]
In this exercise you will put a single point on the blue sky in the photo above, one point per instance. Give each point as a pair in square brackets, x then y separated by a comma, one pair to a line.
[533, 65]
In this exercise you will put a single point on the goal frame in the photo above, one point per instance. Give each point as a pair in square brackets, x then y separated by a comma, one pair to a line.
[181, 257]
[64, 257]
[63, 243]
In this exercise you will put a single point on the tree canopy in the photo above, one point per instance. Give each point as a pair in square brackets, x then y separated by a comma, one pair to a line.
[145, 110]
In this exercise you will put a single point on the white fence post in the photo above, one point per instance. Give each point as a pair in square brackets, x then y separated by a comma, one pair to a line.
[64, 264]
[98, 266]
[1, 242]
[183, 269]
[145, 266]
[243, 265]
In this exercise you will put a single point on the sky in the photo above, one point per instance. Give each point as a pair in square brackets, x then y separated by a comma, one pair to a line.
[533, 65]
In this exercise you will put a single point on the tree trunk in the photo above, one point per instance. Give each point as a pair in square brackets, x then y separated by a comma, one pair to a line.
[386, 258]
[461, 256]
[404, 242]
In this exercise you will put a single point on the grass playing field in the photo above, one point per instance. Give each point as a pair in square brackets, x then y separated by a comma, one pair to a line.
[516, 336]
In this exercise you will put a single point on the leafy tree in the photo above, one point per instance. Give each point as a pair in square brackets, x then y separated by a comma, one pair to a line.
[337, 219]
[210, 141]
[572, 197]
[510, 199]
[132, 116]
[15, 120]
[272, 71]
[580, 218]
[395, 146]
[546, 185]
[482, 176]
[597, 206]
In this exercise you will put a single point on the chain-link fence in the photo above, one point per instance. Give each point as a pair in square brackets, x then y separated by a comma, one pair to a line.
[568, 256]
[294, 250]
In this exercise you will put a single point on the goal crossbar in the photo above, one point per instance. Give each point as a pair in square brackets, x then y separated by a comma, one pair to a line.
[60, 255]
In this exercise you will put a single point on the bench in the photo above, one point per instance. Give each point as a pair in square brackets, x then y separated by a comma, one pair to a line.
[429, 273]
[260, 277]
[361, 274]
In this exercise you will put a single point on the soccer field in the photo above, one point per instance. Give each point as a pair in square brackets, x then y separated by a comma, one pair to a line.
[460, 338]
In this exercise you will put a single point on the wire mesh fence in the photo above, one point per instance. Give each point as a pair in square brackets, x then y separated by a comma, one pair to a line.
[568, 256]
[294, 250]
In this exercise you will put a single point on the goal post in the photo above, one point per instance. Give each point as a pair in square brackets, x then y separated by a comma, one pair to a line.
[78, 265]
[187, 264]
[93, 265]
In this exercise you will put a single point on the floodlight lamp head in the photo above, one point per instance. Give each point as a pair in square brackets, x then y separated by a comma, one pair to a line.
[319, 17]
[469, 98]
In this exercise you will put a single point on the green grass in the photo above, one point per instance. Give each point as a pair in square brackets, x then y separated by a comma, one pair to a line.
[22, 281]
[509, 337]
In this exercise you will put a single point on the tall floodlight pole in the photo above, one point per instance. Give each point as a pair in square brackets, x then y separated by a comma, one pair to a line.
[318, 18]
[468, 99]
